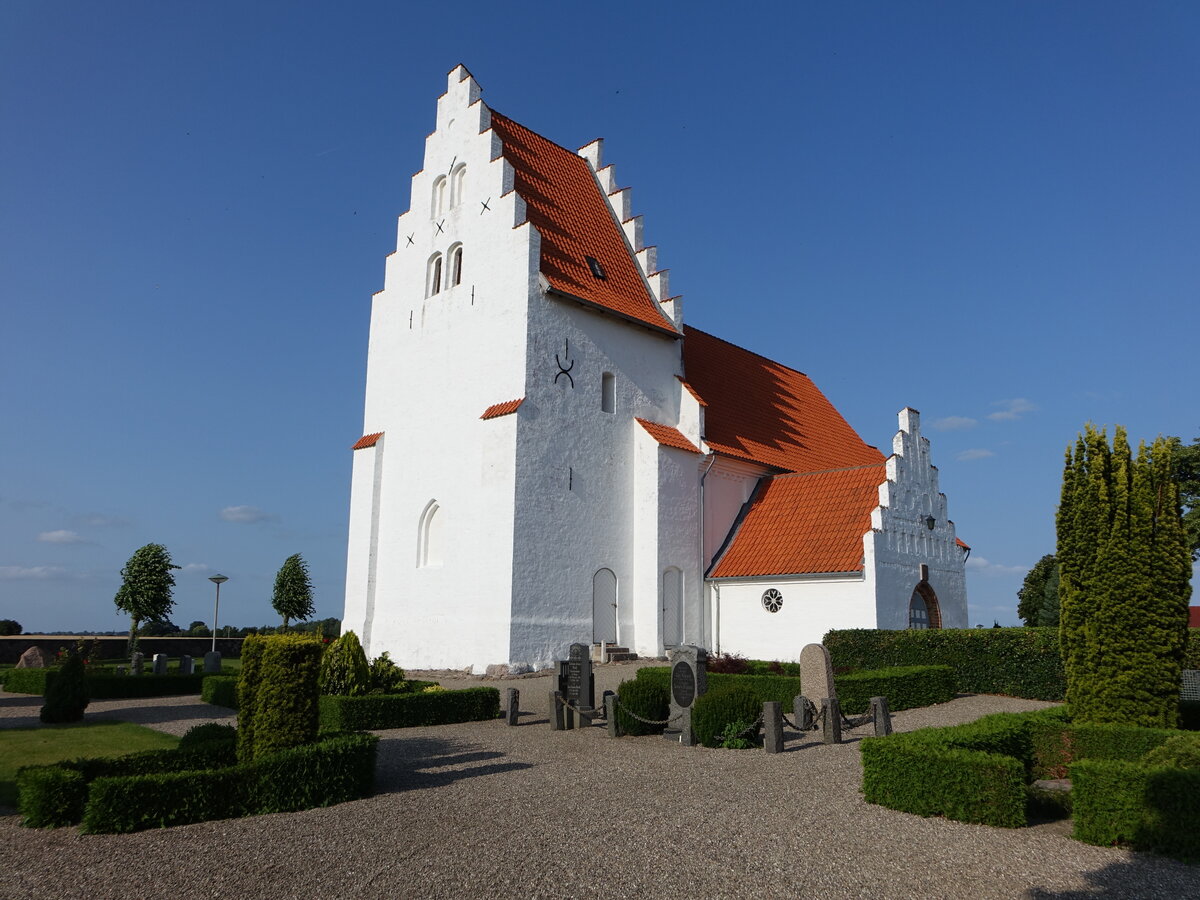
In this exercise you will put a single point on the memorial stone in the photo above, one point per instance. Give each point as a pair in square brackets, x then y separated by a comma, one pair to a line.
[136, 662]
[186, 665]
[816, 675]
[689, 680]
[160, 664]
[212, 662]
[34, 658]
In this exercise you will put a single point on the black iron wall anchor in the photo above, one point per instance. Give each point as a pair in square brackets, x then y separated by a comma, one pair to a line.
[565, 370]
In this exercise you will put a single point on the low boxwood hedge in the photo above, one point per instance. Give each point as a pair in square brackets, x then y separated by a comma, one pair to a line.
[378, 711]
[1019, 662]
[906, 687]
[644, 697]
[220, 690]
[176, 788]
[109, 686]
[1144, 807]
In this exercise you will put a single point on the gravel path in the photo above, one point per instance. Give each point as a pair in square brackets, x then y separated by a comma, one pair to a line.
[484, 810]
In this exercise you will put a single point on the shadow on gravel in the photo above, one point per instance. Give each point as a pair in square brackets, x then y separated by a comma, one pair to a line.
[1148, 876]
[152, 715]
[14, 701]
[407, 764]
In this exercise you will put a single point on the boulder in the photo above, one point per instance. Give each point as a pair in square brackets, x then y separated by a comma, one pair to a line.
[34, 658]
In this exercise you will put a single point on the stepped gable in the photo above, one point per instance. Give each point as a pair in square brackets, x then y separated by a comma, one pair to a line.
[564, 202]
[805, 524]
[760, 410]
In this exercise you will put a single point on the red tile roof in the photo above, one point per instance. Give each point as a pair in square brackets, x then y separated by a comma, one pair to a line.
[564, 202]
[763, 411]
[502, 409]
[805, 524]
[960, 542]
[668, 436]
[367, 440]
[691, 390]
[1194, 617]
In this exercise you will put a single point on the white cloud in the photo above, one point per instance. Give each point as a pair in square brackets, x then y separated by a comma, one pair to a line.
[954, 423]
[974, 453]
[62, 536]
[1012, 409]
[246, 515]
[195, 569]
[99, 520]
[987, 567]
[31, 573]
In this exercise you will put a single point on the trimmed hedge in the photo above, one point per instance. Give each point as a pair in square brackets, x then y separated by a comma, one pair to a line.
[909, 687]
[730, 704]
[220, 690]
[377, 711]
[650, 699]
[1019, 662]
[111, 796]
[285, 712]
[106, 686]
[1147, 808]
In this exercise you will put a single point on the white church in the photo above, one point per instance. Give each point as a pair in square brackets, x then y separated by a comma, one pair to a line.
[551, 456]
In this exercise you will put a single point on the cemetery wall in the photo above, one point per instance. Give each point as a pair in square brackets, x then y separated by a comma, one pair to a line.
[113, 646]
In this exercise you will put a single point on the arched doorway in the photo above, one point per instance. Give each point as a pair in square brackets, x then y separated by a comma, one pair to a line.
[672, 607]
[604, 607]
[923, 610]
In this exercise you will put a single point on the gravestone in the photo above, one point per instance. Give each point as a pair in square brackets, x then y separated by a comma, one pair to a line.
[577, 683]
[186, 665]
[816, 674]
[34, 658]
[160, 664]
[689, 680]
[212, 662]
[136, 662]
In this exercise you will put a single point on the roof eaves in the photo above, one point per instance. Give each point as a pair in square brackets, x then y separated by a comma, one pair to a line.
[608, 311]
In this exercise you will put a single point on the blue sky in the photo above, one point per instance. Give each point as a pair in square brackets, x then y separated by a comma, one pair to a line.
[989, 212]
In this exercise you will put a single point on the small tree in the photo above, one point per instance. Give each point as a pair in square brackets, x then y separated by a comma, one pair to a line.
[1032, 595]
[66, 693]
[344, 669]
[10, 626]
[293, 597]
[145, 592]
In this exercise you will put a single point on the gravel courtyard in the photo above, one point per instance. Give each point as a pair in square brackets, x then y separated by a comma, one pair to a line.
[485, 810]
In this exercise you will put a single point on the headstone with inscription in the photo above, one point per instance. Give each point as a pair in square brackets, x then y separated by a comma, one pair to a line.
[689, 680]
[136, 662]
[34, 658]
[212, 662]
[160, 664]
[187, 665]
[576, 682]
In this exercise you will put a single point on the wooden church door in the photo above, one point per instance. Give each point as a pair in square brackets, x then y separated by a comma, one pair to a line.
[604, 607]
[672, 608]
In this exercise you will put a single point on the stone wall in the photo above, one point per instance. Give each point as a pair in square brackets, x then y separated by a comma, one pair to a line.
[113, 646]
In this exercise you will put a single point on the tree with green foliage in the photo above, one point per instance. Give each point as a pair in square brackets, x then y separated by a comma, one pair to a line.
[66, 692]
[1185, 459]
[1032, 595]
[344, 668]
[1124, 565]
[145, 592]
[9, 627]
[1049, 614]
[293, 597]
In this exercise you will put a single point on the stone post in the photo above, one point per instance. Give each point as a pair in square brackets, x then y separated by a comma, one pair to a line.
[773, 727]
[883, 719]
[831, 721]
[610, 710]
[802, 714]
[556, 711]
[514, 706]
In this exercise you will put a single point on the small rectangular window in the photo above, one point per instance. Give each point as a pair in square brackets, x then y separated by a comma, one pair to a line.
[597, 269]
[608, 393]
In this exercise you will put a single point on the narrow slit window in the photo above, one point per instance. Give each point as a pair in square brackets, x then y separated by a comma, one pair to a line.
[608, 393]
[597, 269]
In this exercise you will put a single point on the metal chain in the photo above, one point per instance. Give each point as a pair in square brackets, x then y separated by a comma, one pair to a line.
[630, 712]
[595, 713]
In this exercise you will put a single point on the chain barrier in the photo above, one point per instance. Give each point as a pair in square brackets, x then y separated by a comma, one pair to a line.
[632, 714]
[595, 713]
[752, 729]
[857, 721]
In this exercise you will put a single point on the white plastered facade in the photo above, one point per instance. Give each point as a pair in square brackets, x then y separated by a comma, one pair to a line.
[477, 541]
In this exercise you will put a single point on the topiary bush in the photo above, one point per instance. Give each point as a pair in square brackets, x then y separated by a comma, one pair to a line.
[1179, 752]
[66, 694]
[208, 733]
[247, 690]
[285, 700]
[50, 796]
[385, 677]
[648, 699]
[220, 690]
[721, 707]
[344, 669]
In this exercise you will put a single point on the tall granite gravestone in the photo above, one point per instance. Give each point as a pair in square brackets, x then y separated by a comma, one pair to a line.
[577, 683]
[160, 664]
[34, 658]
[689, 680]
[186, 665]
[212, 662]
[816, 684]
[135, 663]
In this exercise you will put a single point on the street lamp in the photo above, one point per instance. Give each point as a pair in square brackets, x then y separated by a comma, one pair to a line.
[218, 580]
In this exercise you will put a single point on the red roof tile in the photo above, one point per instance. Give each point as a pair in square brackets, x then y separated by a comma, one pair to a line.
[962, 543]
[502, 409]
[367, 440]
[563, 201]
[1194, 617]
[763, 411]
[668, 436]
[691, 390]
[805, 524]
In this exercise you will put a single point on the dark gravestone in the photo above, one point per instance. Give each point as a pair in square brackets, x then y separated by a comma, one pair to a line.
[689, 680]
[773, 727]
[212, 662]
[187, 665]
[577, 685]
[136, 662]
[160, 664]
[514, 706]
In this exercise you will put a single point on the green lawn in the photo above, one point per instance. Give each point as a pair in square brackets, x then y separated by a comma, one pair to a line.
[51, 743]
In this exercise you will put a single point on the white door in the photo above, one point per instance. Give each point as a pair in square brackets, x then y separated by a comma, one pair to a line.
[672, 607]
[604, 607]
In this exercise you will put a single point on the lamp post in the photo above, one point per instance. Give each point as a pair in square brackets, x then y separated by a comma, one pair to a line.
[218, 580]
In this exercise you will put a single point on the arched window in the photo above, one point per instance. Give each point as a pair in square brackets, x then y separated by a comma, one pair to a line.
[608, 392]
[457, 178]
[433, 279]
[923, 610]
[456, 255]
[430, 531]
[438, 205]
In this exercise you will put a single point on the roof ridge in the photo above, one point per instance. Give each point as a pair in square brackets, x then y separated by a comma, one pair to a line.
[875, 465]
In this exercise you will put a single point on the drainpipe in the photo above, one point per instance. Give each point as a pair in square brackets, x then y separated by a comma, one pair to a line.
[717, 618]
[712, 458]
